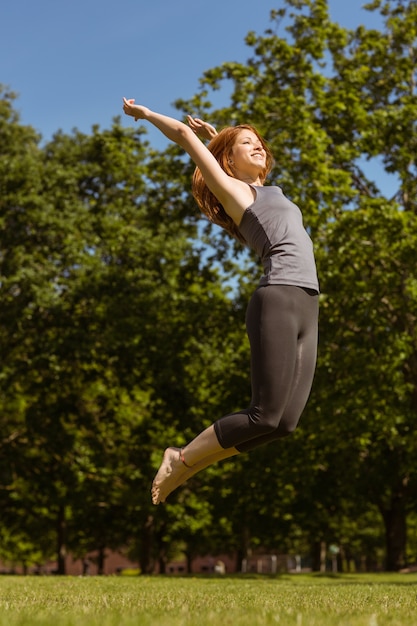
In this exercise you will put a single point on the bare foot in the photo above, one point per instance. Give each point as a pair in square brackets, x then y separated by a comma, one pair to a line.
[168, 476]
[177, 479]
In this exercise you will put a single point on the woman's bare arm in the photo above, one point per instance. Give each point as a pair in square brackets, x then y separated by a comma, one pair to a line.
[232, 193]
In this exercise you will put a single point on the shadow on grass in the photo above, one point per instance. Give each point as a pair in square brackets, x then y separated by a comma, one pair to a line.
[374, 579]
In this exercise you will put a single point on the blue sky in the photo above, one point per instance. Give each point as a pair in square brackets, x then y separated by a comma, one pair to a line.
[71, 62]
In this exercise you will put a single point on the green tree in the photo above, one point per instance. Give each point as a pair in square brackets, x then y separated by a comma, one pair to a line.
[333, 102]
[119, 336]
[115, 313]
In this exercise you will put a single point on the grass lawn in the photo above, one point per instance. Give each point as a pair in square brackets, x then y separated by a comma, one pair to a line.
[299, 600]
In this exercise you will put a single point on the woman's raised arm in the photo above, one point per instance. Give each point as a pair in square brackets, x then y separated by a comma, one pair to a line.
[222, 185]
[175, 130]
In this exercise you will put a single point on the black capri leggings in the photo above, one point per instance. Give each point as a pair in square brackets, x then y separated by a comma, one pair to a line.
[282, 325]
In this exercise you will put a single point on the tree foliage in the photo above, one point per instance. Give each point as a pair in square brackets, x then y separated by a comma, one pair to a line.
[339, 109]
[107, 311]
[120, 333]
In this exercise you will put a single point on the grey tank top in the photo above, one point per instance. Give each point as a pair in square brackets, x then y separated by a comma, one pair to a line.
[273, 227]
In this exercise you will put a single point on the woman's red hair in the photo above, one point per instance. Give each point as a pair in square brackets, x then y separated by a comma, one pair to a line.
[221, 148]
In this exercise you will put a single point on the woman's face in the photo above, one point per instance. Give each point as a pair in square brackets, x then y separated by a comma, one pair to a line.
[248, 155]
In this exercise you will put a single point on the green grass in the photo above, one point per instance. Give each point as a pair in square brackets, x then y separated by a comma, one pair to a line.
[298, 600]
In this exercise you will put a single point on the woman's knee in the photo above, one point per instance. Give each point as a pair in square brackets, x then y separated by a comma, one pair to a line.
[289, 421]
[286, 428]
[280, 424]
[265, 421]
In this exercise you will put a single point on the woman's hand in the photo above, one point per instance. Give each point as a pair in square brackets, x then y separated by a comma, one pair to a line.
[137, 111]
[204, 130]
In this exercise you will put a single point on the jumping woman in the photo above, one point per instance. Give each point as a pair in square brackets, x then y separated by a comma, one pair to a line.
[282, 314]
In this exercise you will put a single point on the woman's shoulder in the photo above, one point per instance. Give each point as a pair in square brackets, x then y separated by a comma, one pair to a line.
[268, 188]
[266, 191]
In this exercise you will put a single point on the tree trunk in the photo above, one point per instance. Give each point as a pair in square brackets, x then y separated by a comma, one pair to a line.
[162, 564]
[318, 556]
[243, 552]
[101, 557]
[61, 541]
[189, 556]
[146, 562]
[395, 521]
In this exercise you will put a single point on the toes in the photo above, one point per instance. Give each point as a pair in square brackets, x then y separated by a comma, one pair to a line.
[164, 481]
[155, 495]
